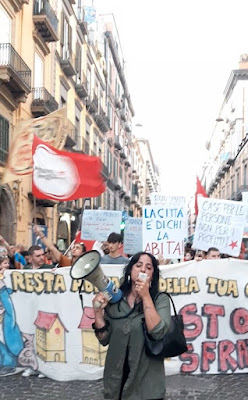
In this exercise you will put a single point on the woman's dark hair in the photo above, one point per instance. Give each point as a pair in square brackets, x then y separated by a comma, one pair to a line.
[127, 283]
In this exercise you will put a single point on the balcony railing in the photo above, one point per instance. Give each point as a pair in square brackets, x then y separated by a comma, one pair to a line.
[43, 102]
[45, 19]
[81, 20]
[67, 62]
[102, 120]
[11, 59]
[81, 86]
[92, 104]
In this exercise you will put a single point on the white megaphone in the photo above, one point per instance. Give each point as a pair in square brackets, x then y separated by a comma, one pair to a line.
[88, 267]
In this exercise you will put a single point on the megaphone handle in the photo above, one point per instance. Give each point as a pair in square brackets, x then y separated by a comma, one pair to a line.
[97, 304]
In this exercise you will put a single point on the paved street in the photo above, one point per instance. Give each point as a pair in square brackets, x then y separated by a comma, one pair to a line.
[198, 387]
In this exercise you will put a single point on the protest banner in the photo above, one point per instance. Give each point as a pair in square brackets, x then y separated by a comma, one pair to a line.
[51, 128]
[98, 224]
[54, 335]
[220, 224]
[164, 230]
[159, 199]
[133, 235]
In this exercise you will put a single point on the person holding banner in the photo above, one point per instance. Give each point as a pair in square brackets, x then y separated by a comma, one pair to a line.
[129, 373]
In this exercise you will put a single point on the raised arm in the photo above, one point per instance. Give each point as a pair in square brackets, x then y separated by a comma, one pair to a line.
[48, 243]
[11, 251]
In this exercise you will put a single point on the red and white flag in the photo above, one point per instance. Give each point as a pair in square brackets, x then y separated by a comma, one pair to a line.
[200, 191]
[61, 175]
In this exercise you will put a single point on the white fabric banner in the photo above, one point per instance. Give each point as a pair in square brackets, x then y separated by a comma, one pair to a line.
[44, 325]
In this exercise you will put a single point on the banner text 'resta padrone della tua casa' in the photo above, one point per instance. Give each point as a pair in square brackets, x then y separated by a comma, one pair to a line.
[44, 324]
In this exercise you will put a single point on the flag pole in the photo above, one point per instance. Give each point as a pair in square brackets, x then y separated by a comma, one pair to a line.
[35, 218]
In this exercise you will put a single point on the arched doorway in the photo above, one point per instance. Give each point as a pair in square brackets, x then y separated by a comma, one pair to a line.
[7, 214]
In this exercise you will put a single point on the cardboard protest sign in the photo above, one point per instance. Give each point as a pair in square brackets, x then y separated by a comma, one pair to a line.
[98, 224]
[220, 224]
[159, 199]
[164, 230]
[133, 235]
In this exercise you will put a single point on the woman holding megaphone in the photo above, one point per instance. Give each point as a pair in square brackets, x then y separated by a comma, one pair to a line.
[129, 373]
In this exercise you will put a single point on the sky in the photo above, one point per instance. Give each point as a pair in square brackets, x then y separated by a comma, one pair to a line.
[178, 56]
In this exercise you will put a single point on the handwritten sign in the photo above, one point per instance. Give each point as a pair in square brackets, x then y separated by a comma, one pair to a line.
[159, 199]
[220, 224]
[164, 230]
[133, 236]
[98, 224]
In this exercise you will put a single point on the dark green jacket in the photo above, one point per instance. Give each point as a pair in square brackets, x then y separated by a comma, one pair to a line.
[146, 379]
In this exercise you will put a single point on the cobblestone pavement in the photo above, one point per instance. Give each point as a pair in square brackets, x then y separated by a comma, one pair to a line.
[179, 387]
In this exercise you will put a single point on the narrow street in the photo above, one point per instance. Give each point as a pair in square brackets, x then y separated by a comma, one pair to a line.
[197, 387]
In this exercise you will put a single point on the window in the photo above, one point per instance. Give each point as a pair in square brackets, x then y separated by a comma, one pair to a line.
[115, 167]
[78, 63]
[110, 114]
[227, 191]
[237, 181]
[66, 37]
[38, 71]
[120, 172]
[245, 174]
[4, 139]
[5, 31]
[109, 162]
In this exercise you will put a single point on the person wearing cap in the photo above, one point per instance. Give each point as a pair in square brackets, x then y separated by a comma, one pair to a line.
[114, 245]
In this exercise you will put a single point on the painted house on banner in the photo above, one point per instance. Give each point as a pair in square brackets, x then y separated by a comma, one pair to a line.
[50, 337]
[93, 351]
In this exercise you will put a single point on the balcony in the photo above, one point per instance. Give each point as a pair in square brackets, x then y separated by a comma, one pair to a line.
[81, 20]
[102, 120]
[117, 183]
[123, 114]
[118, 102]
[128, 161]
[117, 143]
[134, 199]
[43, 102]
[128, 127]
[92, 104]
[123, 153]
[67, 62]
[14, 73]
[45, 20]
[81, 86]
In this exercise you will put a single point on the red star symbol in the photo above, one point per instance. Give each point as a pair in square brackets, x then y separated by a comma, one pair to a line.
[233, 244]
